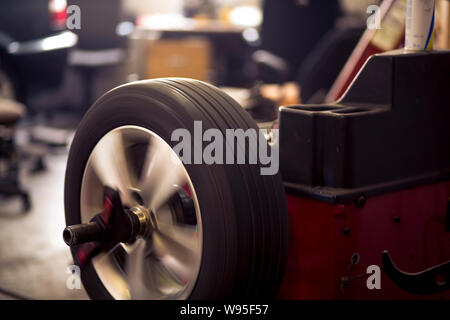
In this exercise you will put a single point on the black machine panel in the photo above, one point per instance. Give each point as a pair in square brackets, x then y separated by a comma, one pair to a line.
[391, 130]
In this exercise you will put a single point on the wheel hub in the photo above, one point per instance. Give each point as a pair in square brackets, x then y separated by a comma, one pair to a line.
[147, 221]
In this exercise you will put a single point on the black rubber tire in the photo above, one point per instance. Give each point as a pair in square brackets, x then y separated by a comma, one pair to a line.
[244, 214]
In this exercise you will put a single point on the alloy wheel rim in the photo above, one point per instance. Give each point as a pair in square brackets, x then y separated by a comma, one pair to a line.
[143, 167]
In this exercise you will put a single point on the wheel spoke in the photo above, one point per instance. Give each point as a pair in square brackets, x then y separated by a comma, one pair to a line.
[146, 277]
[110, 164]
[113, 274]
[136, 273]
[165, 281]
[178, 249]
[162, 174]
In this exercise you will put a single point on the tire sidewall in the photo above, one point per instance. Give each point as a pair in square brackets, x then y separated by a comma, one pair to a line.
[156, 112]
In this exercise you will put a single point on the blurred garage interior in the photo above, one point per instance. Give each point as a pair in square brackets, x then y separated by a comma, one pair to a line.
[55, 63]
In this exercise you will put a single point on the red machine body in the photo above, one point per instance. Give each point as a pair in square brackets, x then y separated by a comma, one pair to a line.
[325, 238]
[367, 182]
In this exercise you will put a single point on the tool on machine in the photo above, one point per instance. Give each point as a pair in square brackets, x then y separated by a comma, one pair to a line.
[420, 17]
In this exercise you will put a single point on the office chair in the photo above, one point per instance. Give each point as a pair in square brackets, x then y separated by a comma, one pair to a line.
[99, 45]
[11, 113]
[291, 29]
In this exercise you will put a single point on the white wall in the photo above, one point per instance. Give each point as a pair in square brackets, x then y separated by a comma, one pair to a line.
[152, 6]
[171, 6]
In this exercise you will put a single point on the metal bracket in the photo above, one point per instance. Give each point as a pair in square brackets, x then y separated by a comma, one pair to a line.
[431, 281]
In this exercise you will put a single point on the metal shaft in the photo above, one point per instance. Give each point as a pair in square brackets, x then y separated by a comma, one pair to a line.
[82, 233]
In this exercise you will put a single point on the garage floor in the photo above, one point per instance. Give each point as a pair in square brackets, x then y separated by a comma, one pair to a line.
[33, 256]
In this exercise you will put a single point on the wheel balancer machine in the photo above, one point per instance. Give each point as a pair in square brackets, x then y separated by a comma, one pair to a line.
[367, 184]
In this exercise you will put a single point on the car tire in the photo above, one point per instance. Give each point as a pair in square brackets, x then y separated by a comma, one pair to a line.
[244, 214]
